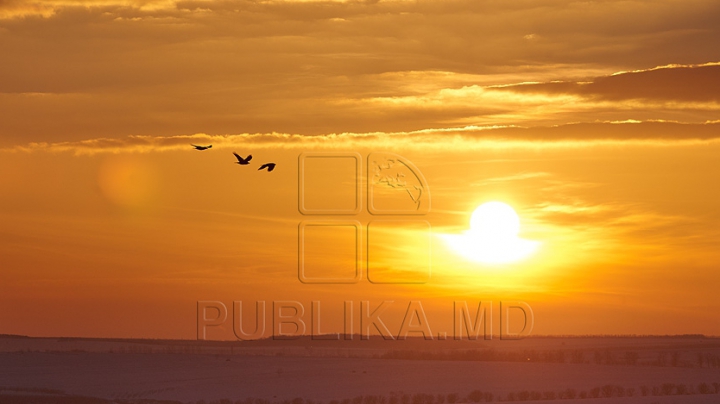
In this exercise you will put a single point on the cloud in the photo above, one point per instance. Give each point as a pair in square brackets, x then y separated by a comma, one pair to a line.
[683, 83]
[605, 226]
[75, 70]
[18, 9]
[514, 177]
[566, 136]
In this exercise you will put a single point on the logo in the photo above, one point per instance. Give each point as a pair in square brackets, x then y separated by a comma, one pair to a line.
[394, 247]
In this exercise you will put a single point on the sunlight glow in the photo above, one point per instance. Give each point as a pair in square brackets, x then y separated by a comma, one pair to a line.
[493, 236]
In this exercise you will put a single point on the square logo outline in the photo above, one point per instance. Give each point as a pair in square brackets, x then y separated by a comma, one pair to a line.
[329, 223]
[358, 183]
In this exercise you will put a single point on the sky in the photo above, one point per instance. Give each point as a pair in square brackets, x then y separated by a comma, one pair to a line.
[598, 122]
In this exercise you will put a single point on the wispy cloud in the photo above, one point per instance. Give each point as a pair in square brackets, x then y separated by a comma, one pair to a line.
[515, 177]
[472, 137]
[682, 83]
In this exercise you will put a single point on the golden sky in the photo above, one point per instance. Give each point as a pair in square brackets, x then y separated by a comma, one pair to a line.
[598, 122]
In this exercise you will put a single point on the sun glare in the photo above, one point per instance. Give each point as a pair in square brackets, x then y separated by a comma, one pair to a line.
[493, 236]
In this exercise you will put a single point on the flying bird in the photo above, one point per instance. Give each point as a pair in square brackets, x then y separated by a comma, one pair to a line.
[269, 166]
[243, 161]
[201, 147]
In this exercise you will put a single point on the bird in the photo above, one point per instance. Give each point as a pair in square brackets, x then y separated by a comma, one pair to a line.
[201, 147]
[269, 166]
[243, 161]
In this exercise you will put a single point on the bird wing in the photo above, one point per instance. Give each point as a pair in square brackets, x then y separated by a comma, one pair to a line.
[237, 156]
[263, 166]
[249, 157]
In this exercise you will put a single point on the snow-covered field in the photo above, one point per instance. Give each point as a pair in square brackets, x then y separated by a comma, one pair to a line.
[87, 368]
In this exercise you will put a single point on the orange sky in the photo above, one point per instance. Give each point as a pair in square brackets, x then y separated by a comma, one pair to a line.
[600, 128]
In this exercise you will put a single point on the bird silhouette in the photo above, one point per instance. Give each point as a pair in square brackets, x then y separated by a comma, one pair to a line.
[243, 161]
[269, 166]
[201, 147]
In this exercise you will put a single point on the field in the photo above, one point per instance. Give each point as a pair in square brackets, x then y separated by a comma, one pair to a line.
[570, 369]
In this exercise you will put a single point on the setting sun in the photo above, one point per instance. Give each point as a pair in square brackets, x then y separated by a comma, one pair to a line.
[493, 236]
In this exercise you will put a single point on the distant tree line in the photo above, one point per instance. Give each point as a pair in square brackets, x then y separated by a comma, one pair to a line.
[478, 396]
[15, 395]
[576, 356]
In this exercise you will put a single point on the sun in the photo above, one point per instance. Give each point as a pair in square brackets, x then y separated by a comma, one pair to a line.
[493, 236]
